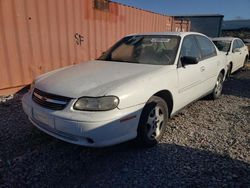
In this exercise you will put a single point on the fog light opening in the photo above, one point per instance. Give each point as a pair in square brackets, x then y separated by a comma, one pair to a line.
[90, 141]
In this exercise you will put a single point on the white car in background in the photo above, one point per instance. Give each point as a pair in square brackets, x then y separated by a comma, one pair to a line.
[129, 92]
[236, 51]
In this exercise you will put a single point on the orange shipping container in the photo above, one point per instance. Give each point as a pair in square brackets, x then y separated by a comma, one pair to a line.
[37, 36]
[180, 25]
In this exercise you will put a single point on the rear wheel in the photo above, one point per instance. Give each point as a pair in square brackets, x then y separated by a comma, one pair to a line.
[153, 122]
[218, 87]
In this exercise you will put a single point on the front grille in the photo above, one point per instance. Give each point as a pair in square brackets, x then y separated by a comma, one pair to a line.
[50, 101]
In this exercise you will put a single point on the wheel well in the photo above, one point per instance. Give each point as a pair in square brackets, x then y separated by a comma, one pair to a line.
[223, 72]
[231, 64]
[167, 97]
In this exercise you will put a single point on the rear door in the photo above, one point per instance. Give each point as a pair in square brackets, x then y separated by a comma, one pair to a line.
[209, 62]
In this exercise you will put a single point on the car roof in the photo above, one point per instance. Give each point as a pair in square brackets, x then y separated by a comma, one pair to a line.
[224, 38]
[181, 34]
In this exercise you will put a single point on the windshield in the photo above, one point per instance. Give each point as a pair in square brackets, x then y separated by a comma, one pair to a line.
[223, 45]
[155, 50]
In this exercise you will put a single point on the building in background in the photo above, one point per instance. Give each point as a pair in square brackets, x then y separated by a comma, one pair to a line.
[209, 25]
[39, 36]
[235, 25]
[237, 28]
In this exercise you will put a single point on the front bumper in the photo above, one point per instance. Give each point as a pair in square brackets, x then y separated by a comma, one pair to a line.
[93, 129]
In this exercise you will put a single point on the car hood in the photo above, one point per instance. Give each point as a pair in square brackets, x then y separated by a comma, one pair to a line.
[93, 78]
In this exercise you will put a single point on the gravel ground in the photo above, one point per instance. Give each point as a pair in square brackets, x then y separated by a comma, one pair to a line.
[206, 145]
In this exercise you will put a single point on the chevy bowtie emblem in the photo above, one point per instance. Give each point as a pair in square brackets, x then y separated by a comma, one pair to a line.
[44, 98]
[40, 97]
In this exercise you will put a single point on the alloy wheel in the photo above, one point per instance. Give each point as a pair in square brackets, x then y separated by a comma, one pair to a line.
[155, 122]
[219, 85]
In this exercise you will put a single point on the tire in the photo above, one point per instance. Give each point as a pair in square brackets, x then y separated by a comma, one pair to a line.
[217, 88]
[152, 122]
[229, 71]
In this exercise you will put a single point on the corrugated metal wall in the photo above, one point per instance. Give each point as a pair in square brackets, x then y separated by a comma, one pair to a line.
[209, 25]
[37, 36]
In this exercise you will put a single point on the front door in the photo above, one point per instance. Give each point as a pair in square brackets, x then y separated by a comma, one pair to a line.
[209, 63]
[243, 52]
[189, 85]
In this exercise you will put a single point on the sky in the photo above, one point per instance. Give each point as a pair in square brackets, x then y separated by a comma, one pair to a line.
[231, 9]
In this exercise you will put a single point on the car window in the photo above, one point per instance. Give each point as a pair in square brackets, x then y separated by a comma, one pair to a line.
[223, 46]
[240, 43]
[235, 45]
[190, 48]
[206, 46]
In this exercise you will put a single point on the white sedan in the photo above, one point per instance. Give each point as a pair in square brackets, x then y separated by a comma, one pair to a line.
[236, 51]
[129, 92]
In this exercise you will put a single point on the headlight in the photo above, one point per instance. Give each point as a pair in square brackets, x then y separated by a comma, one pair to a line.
[96, 103]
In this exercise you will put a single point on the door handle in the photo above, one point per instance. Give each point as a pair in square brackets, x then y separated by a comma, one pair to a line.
[202, 68]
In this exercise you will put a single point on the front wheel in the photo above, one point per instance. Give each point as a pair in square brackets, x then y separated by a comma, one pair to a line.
[152, 122]
[218, 87]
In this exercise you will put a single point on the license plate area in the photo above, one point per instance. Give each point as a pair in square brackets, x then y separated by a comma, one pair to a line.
[43, 118]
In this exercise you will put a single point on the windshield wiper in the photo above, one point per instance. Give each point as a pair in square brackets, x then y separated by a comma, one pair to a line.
[122, 61]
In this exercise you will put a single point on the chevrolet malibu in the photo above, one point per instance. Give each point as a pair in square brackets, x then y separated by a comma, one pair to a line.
[236, 51]
[129, 92]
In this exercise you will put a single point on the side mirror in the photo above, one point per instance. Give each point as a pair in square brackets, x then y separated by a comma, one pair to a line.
[188, 60]
[236, 50]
